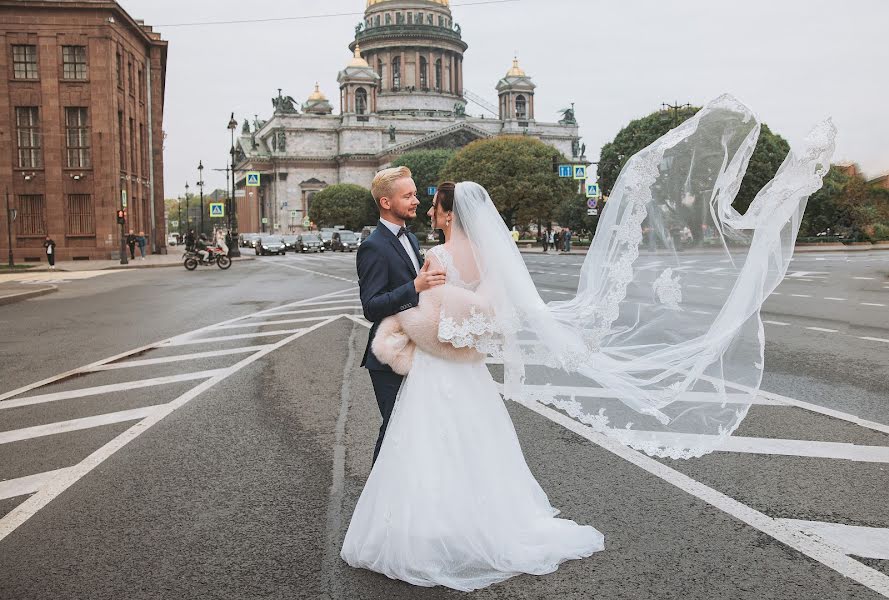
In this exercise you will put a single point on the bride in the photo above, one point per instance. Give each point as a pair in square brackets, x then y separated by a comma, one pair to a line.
[667, 368]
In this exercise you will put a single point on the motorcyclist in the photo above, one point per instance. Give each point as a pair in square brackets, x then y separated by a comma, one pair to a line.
[201, 247]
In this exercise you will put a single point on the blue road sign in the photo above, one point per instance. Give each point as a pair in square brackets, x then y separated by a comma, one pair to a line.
[579, 171]
[253, 179]
[592, 190]
[217, 209]
[431, 190]
[565, 171]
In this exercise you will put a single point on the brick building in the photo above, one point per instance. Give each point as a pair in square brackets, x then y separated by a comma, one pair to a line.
[81, 126]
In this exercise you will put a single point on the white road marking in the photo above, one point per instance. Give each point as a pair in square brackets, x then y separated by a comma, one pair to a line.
[873, 339]
[226, 338]
[836, 299]
[871, 304]
[312, 310]
[265, 323]
[822, 329]
[109, 389]
[280, 264]
[867, 542]
[594, 392]
[777, 323]
[864, 278]
[813, 548]
[801, 295]
[172, 359]
[23, 486]
[65, 479]
[823, 410]
[27, 433]
[352, 299]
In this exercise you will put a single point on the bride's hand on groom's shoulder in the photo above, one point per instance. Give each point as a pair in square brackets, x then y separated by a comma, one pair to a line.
[429, 277]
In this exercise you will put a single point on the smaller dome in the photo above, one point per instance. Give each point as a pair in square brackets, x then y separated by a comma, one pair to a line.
[357, 61]
[317, 95]
[516, 70]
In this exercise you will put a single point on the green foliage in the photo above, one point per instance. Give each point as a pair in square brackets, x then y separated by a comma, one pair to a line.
[848, 206]
[517, 172]
[572, 212]
[426, 167]
[343, 204]
[771, 149]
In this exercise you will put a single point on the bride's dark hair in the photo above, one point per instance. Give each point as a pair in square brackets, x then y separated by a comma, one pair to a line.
[445, 195]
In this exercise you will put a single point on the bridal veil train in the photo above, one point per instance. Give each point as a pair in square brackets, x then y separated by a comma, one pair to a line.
[667, 368]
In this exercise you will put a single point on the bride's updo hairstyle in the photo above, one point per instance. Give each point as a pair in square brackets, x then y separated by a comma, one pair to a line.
[445, 195]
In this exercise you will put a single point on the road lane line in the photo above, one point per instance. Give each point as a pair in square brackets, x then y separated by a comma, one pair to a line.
[596, 392]
[873, 339]
[829, 412]
[822, 329]
[265, 323]
[23, 486]
[801, 295]
[280, 264]
[109, 389]
[27, 433]
[226, 338]
[311, 310]
[872, 304]
[790, 536]
[867, 542]
[777, 323]
[836, 299]
[172, 359]
[68, 477]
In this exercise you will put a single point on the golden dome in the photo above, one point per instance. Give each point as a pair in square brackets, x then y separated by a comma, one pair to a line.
[357, 61]
[317, 95]
[375, 2]
[516, 70]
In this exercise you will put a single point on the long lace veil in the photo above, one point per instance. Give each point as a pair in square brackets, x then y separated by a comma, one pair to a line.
[662, 346]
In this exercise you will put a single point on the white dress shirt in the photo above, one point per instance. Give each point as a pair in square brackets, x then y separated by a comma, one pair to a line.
[405, 241]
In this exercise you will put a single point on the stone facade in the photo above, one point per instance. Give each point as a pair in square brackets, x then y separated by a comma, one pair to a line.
[81, 123]
[401, 91]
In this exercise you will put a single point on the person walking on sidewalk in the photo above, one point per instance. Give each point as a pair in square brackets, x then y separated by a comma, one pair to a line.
[189, 240]
[544, 239]
[131, 244]
[557, 240]
[50, 247]
[567, 239]
[141, 241]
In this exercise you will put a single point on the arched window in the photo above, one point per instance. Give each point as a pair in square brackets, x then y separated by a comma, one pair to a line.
[388, 18]
[521, 108]
[396, 73]
[424, 75]
[380, 72]
[438, 74]
[360, 101]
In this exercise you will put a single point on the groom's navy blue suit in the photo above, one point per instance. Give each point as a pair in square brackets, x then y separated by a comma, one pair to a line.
[386, 279]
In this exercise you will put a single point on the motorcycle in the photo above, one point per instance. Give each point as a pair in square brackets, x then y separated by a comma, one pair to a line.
[216, 256]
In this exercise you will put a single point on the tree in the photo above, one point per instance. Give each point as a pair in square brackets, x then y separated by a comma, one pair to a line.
[848, 206]
[771, 149]
[572, 212]
[343, 204]
[517, 172]
[426, 167]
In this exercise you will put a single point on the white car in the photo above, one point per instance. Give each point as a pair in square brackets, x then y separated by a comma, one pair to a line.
[172, 240]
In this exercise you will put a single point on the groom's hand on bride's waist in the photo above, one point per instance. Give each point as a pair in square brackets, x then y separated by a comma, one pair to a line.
[428, 278]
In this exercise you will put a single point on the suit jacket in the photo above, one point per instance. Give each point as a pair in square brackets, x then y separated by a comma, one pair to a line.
[386, 281]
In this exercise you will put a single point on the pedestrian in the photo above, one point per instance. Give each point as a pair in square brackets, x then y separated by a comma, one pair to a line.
[189, 240]
[557, 240]
[568, 239]
[545, 240]
[220, 241]
[141, 241]
[50, 247]
[515, 234]
[131, 243]
[551, 238]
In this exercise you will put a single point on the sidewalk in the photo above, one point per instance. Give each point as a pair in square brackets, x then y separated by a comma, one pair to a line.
[151, 261]
[16, 292]
[536, 249]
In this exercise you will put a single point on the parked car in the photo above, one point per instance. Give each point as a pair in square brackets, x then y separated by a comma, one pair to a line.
[309, 242]
[290, 242]
[344, 241]
[365, 233]
[172, 239]
[326, 237]
[270, 245]
[250, 240]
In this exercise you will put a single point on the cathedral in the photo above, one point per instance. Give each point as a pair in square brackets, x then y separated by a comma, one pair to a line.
[401, 91]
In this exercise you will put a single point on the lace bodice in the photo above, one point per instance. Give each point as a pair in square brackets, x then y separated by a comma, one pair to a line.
[452, 273]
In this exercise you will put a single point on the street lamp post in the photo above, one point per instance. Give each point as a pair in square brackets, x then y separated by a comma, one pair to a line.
[201, 186]
[10, 218]
[234, 249]
[179, 214]
[187, 211]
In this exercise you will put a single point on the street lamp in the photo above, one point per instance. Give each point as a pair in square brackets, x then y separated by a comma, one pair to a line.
[187, 211]
[201, 186]
[234, 248]
[179, 213]
[10, 219]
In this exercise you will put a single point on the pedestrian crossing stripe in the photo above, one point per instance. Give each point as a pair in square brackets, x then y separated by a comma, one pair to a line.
[217, 209]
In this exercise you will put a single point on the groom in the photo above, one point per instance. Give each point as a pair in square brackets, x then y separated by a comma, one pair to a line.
[391, 275]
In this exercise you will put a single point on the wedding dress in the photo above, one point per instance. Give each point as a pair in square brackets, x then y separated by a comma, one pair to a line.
[450, 500]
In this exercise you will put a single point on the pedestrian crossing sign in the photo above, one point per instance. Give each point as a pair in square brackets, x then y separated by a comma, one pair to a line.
[252, 179]
[565, 171]
[217, 209]
[592, 190]
[579, 171]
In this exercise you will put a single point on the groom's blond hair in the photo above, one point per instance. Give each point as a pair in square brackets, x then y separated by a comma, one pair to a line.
[383, 181]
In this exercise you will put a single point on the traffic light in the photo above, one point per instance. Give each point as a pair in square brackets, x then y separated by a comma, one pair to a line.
[121, 217]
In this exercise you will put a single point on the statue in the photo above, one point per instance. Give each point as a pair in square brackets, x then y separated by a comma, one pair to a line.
[284, 104]
[245, 128]
[391, 134]
[279, 141]
[457, 28]
[575, 147]
[359, 28]
[459, 110]
[568, 116]
[582, 150]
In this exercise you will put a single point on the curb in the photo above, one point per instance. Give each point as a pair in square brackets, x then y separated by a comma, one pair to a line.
[19, 296]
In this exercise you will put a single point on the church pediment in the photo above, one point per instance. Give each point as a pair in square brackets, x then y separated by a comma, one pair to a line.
[450, 138]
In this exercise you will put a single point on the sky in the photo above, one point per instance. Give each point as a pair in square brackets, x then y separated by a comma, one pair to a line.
[794, 62]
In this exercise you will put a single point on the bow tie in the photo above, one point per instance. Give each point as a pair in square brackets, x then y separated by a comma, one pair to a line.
[402, 231]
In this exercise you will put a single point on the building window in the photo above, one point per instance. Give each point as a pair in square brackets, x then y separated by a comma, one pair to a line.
[410, 18]
[139, 94]
[418, 19]
[121, 136]
[24, 61]
[399, 18]
[77, 137]
[424, 76]
[388, 19]
[119, 68]
[381, 69]
[74, 62]
[438, 74]
[31, 219]
[396, 73]
[132, 78]
[132, 147]
[361, 101]
[80, 215]
[143, 154]
[377, 21]
[27, 124]
[521, 108]
[430, 19]
[441, 22]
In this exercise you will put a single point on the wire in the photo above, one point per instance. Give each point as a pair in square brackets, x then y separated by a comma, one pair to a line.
[305, 17]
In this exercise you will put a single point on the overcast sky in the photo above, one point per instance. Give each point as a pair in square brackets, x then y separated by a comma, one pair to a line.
[794, 62]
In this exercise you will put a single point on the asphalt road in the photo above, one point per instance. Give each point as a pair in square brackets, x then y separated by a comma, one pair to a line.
[224, 457]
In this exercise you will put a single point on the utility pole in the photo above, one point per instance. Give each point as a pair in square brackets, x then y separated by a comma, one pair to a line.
[201, 186]
[234, 248]
[10, 219]
[675, 107]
